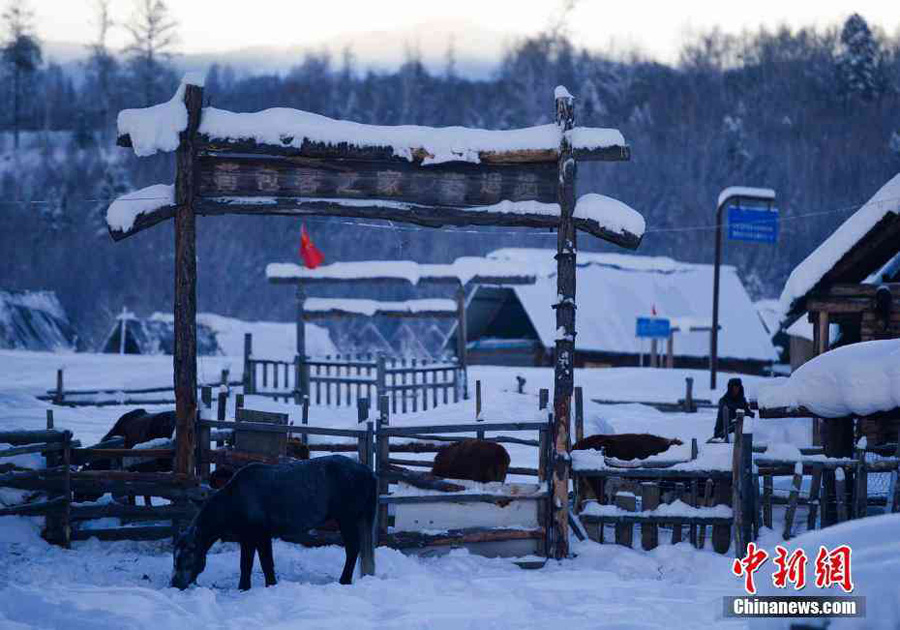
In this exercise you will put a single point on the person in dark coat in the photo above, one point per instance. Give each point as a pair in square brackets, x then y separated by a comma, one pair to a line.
[729, 404]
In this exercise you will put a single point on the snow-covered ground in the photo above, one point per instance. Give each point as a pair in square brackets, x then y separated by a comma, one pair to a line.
[113, 585]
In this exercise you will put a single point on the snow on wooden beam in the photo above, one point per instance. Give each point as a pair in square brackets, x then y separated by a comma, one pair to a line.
[529, 214]
[462, 271]
[324, 308]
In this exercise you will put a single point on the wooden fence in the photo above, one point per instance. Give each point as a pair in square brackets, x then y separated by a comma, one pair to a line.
[342, 380]
[111, 396]
[61, 484]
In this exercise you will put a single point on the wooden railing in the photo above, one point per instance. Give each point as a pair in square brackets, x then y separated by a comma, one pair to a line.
[344, 379]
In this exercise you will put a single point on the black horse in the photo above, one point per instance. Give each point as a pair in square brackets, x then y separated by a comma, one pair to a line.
[262, 502]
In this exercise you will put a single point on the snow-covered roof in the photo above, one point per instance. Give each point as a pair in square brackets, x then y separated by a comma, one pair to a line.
[615, 289]
[746, 191]
[157, 128]
[462, 270]
[823, 259]
[854, 380]
[371, 308]
[34, 320]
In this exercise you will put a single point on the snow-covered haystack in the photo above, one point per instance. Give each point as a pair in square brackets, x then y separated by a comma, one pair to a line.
[155, 335]
[34, 320]
[856, 380]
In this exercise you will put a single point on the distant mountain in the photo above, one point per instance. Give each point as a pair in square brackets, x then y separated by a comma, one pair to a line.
[477, 51]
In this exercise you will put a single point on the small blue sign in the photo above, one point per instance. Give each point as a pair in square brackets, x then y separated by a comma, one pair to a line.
[755, 225]
[653, 327]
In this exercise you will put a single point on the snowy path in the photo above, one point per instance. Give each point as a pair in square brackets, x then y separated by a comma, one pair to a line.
[118, 585]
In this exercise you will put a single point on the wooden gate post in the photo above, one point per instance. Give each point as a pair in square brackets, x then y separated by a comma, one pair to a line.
[564, 356]
[461, 333]
[300, 382]
[248, 364]
[185, 359]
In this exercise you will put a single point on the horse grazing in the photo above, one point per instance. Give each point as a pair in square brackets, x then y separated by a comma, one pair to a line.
[264, 501]
[627, 445]
[478, 460]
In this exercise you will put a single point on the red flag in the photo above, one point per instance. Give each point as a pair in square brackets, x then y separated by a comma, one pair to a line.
[311, 255]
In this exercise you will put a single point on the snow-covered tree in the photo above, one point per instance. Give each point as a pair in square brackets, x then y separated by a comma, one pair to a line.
[859, 60]
[21, 55]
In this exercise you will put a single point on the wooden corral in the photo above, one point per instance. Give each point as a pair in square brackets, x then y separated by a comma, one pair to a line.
[396, 178]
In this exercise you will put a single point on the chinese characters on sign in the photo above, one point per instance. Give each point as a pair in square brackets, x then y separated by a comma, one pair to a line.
[832, 568]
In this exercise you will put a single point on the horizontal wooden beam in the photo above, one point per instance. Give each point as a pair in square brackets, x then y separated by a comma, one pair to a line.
[426, 216]
[652, 473]
[263, 427]
[465, 428]
[652, 519]
[39, 508]
[144, 532]
[457, 537]
[340, 313]
[451, 497]
[18, 438]
[138, 512]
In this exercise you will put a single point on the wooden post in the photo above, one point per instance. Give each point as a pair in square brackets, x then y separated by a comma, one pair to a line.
[301, 334]
[649, 501]
[479, 434]
[814, 490]
[708, 501]
[670, 351]
[461, 338]
[65, 520]
[248, 366]
[564, 356]
[625, 531]
[736, 490]
[689, 395]
[579, 414]
[185, 353]
[821, 342]
[654, 353]
[861, 484]
[304, 419]
[381, 378]
[238, 403]
[695, 502]
[695, 449]
[748, 490]
[368, 542]
[60, 394]
[793, 498]
[49, 419]
[676, 525]
[543, 398]
[382, 454]
[768, 487]
[203, 435]
[362, 410]
[840, 495]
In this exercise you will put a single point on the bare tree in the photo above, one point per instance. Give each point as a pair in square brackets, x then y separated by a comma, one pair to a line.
[153, 34]
[101, 65]
[21, 53]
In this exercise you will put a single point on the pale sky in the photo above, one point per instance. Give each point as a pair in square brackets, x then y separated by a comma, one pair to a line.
[657, 28]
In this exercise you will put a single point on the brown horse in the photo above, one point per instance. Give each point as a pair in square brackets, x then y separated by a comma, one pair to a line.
[136, 427]
[478, 460]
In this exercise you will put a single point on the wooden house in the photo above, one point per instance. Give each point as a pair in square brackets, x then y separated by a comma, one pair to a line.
[848, 289]
[515, 325]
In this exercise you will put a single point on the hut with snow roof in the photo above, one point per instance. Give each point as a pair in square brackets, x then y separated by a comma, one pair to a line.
[513, 326]
[848, 290]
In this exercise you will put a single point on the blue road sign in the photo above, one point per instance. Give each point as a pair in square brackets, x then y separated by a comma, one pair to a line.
[653, 327]
[755, 225]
